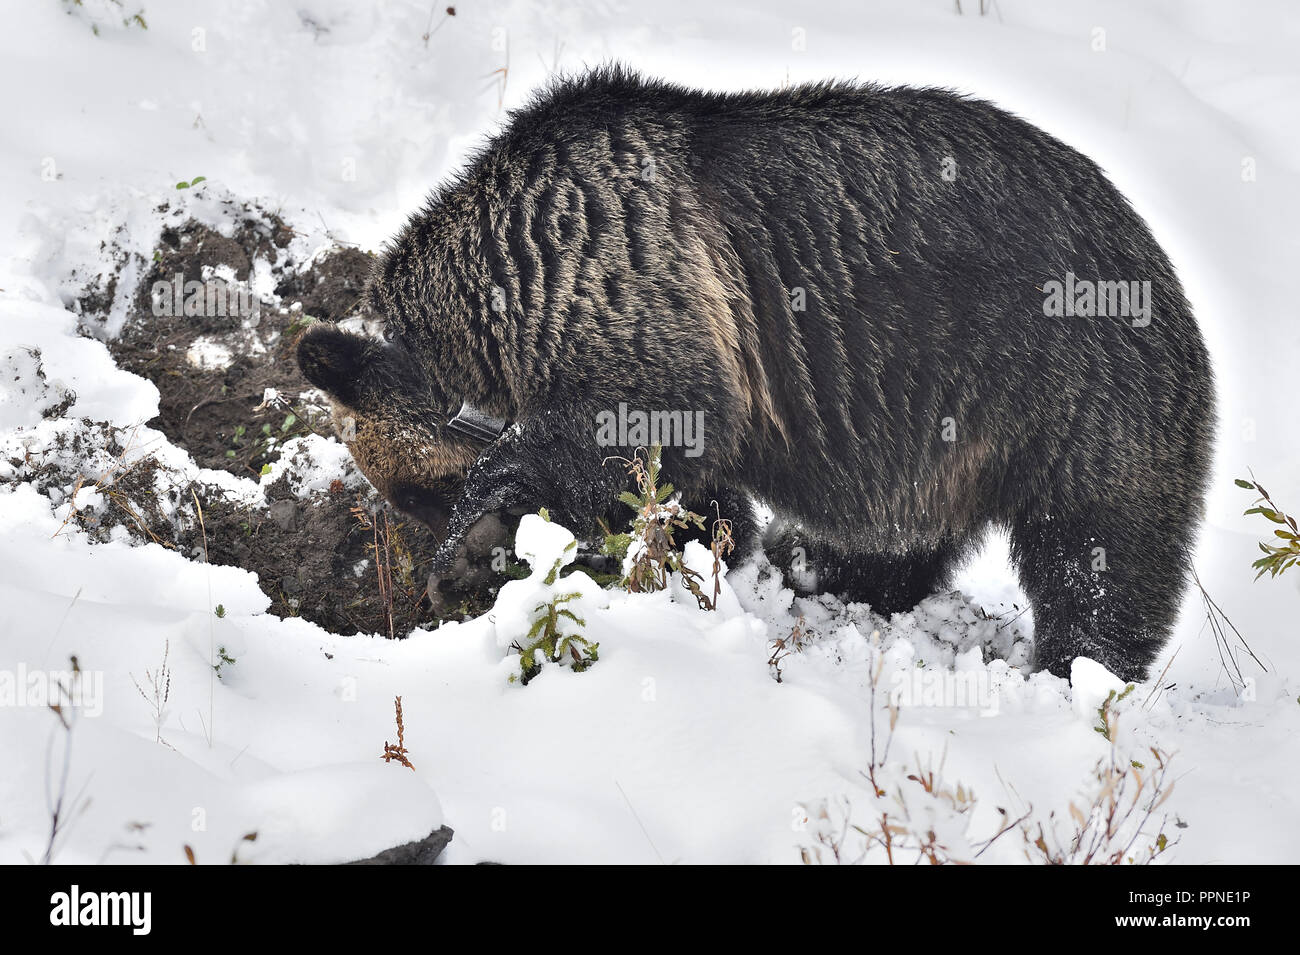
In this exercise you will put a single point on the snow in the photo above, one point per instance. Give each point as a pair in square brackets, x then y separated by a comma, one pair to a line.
[313, 463]
[679, 744]
[205, 353]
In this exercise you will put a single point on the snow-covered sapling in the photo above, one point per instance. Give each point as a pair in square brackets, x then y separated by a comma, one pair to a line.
[545, 601]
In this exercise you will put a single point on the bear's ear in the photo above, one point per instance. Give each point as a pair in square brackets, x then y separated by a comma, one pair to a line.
[334, 361]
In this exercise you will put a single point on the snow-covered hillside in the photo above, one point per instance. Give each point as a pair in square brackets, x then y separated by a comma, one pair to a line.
[321, 125]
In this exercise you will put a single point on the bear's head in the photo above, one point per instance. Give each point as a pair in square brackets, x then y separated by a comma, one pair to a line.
[393, 418]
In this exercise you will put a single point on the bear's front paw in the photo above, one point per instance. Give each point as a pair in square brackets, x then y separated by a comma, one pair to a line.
[475, 547]
[499, 483]
[468, 565]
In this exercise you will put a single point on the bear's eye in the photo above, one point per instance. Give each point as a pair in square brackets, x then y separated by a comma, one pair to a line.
[413, 499]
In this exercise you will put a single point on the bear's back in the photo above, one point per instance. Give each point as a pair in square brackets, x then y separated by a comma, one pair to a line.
[844, 266]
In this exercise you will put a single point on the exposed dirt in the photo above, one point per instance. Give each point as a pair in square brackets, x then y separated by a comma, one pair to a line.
[231, 395]
[332, 288]
[319, 559]
[220, 414]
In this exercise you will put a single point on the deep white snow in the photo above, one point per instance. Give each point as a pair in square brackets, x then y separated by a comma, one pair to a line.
[679, 745]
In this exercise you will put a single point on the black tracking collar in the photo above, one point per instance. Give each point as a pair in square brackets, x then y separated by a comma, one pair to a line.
[476, 424]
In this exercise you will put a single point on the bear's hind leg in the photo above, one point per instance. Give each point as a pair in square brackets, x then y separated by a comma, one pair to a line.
[1104, 583]
[889, 583]
[896, 583]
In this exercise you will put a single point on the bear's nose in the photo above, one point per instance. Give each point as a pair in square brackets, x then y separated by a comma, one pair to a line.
[431, 514]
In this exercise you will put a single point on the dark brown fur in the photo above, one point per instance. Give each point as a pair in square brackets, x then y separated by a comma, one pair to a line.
[631, 241]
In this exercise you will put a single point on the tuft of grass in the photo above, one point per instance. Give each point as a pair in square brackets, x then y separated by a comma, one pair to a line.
[159, 682]
[64, 805]
[794, 642]
[192, 859]
[128, 19]
[1108, 719]
[257, 447]
[913, 815]
[390, 552]
[223, 659]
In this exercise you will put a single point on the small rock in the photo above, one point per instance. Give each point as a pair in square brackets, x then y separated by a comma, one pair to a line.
[421, 852]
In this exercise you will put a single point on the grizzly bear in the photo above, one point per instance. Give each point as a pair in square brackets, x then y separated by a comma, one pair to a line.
[897, 315]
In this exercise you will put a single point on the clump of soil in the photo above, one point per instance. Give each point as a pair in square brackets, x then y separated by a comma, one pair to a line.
[340, 558]
[333, 287]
